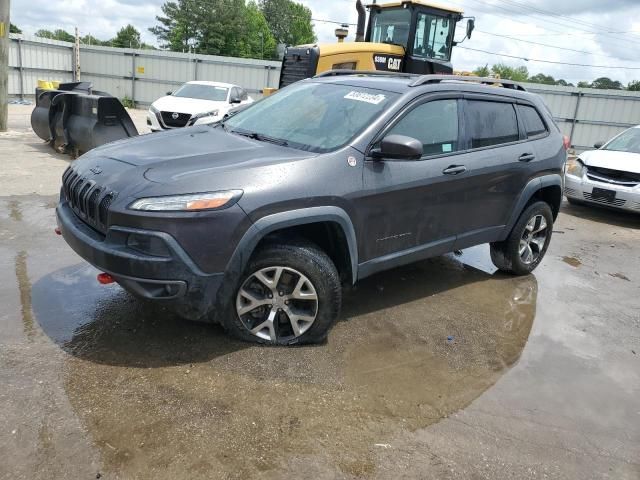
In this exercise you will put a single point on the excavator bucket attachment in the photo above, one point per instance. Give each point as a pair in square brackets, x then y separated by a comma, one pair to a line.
[75, 118]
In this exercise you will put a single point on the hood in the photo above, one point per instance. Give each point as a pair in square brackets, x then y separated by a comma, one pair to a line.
[182, 154]
[623, 161]
[191, 106]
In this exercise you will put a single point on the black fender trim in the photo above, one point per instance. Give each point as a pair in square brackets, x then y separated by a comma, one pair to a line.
[529, 191]
[278, 221]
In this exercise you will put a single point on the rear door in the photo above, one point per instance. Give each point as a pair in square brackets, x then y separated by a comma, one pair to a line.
[495, 155]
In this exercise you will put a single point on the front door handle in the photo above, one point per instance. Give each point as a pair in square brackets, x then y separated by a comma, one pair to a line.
[454, 170]
[526, 157]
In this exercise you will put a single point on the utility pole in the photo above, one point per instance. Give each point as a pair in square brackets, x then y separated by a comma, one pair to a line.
[76, 56]
[4, 63]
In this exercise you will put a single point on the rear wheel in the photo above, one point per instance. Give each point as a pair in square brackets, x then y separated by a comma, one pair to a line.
[289, 294]
[526, 245]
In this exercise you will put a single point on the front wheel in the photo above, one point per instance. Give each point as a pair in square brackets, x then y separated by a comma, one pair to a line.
[526, 245]
[289, 294]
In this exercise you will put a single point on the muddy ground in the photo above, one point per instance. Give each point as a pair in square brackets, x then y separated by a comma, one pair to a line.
[443, 369]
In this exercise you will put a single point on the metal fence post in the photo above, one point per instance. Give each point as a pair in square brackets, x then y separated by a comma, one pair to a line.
[20, 69]
[133, 78]
[195, 68]
[575, 116]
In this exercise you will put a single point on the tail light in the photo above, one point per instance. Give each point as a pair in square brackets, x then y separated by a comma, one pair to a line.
[566, 142]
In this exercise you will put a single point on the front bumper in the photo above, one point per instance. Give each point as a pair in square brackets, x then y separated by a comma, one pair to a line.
[581, 188]
[171, 277]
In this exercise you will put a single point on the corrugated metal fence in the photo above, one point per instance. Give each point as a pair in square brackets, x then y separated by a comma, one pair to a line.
[588, 115]
[141, 75]
[585, 115]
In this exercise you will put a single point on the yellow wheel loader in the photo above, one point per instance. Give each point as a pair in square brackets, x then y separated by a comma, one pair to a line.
[411, 36]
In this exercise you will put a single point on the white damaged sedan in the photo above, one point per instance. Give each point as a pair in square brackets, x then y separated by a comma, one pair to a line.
[195, 103]
[609, 176]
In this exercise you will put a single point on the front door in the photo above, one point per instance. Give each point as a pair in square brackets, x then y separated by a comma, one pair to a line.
[409, 204]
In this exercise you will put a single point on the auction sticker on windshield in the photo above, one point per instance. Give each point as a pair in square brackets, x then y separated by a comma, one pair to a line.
[365, 97]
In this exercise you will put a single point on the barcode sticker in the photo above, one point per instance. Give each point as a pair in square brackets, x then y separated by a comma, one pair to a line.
[365, 97]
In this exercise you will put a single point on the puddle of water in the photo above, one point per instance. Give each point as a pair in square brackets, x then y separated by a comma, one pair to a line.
[163, 396]
[14, 210]
[574, 262]
[620, 276]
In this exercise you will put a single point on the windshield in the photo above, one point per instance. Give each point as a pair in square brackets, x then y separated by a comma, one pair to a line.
[628, 141]
[433, 37]
[317, 117]
[202, 92]
[391, 25]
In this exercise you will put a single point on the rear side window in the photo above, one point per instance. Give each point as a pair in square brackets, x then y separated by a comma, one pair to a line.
[435, 124]
[490, 123]
[533, 123]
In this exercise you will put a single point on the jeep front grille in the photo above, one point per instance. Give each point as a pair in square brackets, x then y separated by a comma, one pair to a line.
[89, 201]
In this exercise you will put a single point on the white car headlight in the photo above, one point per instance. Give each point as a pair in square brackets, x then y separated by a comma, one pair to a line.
[153, 109]
[575, 167]
[193, 202]
[212, 113]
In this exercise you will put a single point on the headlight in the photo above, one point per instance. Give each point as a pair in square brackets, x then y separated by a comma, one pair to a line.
[153, 109]
[188, 203]
[575, 167]
[212, 113]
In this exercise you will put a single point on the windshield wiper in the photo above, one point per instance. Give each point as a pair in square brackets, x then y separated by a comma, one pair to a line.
[260, 137]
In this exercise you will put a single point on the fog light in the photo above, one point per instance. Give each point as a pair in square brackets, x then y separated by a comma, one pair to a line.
[148, 245]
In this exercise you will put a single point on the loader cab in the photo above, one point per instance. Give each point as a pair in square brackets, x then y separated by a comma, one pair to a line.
[424, 29]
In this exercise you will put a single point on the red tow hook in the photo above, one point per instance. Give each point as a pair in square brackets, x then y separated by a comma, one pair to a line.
[58, 231]
[105, 278]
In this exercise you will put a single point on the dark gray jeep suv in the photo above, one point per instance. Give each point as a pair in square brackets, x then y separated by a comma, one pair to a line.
[255, 222]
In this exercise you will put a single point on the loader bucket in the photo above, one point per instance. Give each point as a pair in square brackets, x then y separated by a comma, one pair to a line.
[75, 118]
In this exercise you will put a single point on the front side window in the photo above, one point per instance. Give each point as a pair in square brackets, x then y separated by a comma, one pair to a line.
[435, 124]
[628, 141]
[490, 123]
[391, 25]
[433, 37]
[317, 117]
[202, 92]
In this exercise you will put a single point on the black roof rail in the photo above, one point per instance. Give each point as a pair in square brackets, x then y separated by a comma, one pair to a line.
[427, 79]
[336, 73]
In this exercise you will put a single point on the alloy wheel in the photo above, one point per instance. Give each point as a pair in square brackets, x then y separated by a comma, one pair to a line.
[277, 303]
[533, 240]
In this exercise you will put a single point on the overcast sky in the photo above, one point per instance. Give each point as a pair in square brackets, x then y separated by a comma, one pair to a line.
[583, 25]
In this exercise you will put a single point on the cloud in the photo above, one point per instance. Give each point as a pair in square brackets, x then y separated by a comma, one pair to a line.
[572, 24]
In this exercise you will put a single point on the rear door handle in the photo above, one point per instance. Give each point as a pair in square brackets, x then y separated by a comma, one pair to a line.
[455, 170]
[526, 157]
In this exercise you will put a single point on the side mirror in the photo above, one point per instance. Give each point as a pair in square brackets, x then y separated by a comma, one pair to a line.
[235, 99]
[598, 145]
[399, 147]
[169, 93]
[471, 26]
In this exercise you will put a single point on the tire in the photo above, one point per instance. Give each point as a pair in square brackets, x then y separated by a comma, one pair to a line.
[509, 255]
[281, 289]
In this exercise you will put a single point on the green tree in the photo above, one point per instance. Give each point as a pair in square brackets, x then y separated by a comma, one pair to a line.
[605, 83]
[542, 78]
[91, 40]
[178, 28]
[58, 34]
[259, 41]
[634, 86]
[14, 29]
[127, 37]
[482, 71]
[290, 22]
[505, 72]
[584, 85]
[564, 83]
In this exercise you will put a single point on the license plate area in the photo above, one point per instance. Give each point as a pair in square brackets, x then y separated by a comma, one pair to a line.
[603, 194]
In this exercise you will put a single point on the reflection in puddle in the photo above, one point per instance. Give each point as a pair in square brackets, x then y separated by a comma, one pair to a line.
[164, 396]
[24, 286]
